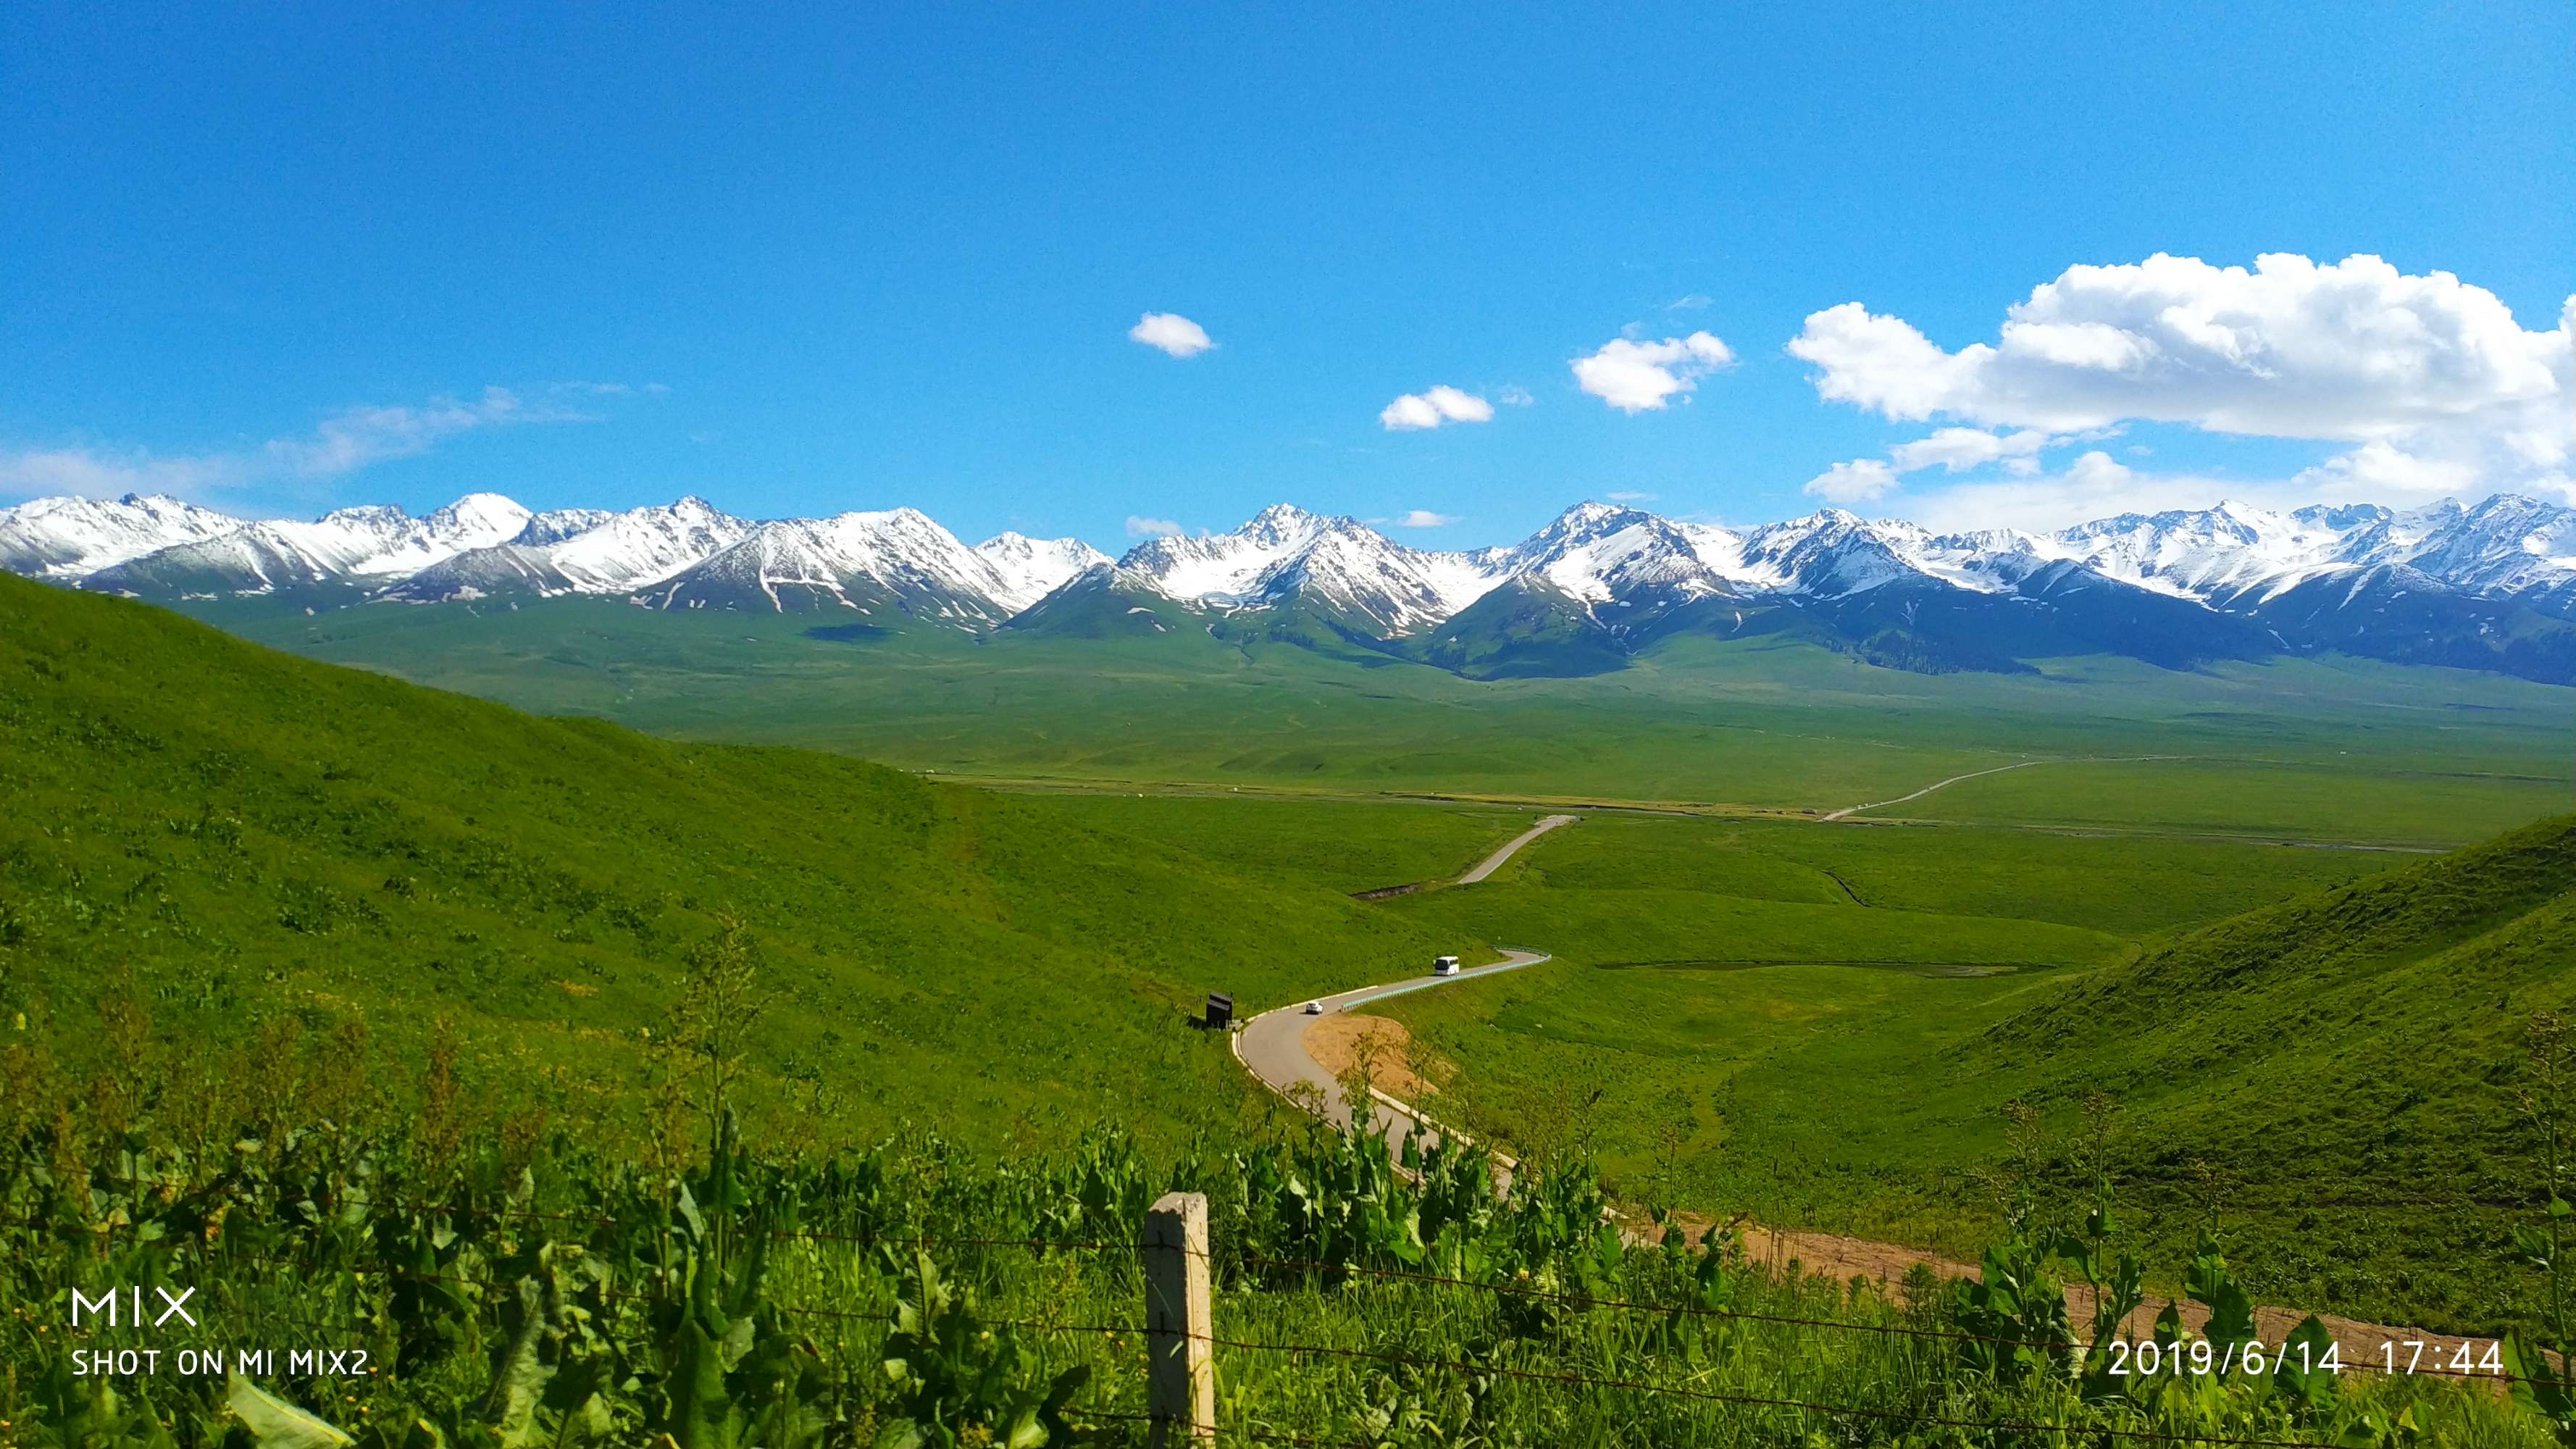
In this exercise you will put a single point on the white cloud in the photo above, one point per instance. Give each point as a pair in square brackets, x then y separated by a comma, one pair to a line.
[2377, 470]
[1862, 480]
[1141, 527]
[2428, 367]
[1514, 395]
[1421, 518]
[1626, 497]
[1692, 303]
[1174, 334]
[2094, 485]
[1635, 376]
[343, 443]
[1432, 407]
[1959, 449]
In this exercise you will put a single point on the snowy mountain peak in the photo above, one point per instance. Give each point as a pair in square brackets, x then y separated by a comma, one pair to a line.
[73, 537]
[368, 516]
[1282, 522]
[557, 524]
[1602, 554]
[480, 515]
[1029, 569]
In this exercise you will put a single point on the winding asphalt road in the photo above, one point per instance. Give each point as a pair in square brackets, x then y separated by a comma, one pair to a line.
[1272, 1046]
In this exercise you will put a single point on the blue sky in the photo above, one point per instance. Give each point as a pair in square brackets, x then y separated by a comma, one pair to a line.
[277, 256]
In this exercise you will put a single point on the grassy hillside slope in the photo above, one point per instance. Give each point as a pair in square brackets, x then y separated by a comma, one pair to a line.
[2335, 1078]
[2344, 1074]
[234, 835]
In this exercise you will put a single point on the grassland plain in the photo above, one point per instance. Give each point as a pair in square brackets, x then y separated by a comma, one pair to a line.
[2331, 1078]
[2364, 752]
[1347, 845]
[249, 840]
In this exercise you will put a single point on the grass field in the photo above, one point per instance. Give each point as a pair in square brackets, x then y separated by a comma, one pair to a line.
[1346, 845]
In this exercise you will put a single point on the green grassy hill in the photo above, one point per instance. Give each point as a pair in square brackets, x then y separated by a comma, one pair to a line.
[1797, 1021]
[235, 836]
[2343, 1074]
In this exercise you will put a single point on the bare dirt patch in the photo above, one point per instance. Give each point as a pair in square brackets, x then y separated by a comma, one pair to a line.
[1341, 1042]
[2365, 1345]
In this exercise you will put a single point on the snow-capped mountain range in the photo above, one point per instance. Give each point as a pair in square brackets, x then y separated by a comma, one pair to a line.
[2492, 585]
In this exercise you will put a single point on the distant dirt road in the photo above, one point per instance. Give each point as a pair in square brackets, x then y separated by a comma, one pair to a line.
[1997, 770]
[1511, 847]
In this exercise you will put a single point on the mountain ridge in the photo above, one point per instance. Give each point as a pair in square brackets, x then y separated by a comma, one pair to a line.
[2490, 586]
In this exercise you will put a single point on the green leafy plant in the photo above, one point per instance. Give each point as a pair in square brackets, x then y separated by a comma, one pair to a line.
[959, 1382]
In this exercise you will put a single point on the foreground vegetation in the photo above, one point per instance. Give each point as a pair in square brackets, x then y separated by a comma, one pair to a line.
[510, 1288]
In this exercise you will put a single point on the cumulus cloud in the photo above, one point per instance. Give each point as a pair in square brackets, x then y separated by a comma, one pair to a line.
[1957, 450]
[1863, 480]
[1171, 333]
[2377, 469]
[1636, 376]
[2430, 379]
[1514, 395]
[343, 443]
[1953, 450]
[1421, 518]
[1432, 407]
[1142, 527]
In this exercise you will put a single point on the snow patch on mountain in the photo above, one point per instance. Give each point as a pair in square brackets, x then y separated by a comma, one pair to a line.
[1339, 565]
[644, 546]
[1029, 569]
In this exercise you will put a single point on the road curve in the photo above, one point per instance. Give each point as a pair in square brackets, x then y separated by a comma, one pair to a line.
[1511, 847]
[1272, 1046]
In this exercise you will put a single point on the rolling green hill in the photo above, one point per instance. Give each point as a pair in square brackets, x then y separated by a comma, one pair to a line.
[2351, 1065]
[234, 835]
[1825, 1026]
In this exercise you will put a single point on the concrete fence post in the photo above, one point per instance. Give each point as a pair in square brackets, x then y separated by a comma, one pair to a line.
[1180, 1368]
